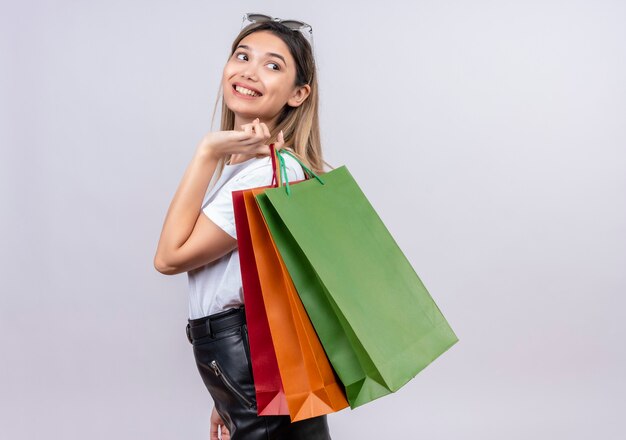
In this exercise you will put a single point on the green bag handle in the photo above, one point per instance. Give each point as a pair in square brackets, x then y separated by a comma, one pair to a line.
[283, 169]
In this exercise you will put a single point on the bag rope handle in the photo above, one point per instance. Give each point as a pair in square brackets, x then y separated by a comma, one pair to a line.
[283, 169]
[275, 177]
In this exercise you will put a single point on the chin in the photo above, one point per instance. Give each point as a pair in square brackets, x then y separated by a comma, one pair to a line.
[247, 115]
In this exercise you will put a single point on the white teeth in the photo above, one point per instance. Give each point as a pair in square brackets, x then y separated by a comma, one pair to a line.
[246, 91]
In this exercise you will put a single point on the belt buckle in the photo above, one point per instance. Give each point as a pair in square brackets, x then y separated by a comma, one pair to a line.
[188, 333]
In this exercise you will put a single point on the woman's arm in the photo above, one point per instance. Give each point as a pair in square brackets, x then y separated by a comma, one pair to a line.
[189, 239]
[175, 252]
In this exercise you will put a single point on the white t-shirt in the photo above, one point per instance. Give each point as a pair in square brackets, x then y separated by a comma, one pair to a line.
[217, 286]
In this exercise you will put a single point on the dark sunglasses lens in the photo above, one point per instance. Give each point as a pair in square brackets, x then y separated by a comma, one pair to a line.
[259, 17]
[293, 24]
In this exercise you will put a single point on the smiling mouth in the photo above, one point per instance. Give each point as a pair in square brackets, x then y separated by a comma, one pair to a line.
[246, 92]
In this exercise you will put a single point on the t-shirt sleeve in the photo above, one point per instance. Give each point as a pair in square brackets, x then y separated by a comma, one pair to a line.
[220, 209]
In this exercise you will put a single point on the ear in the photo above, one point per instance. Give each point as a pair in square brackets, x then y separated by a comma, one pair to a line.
[299, 95]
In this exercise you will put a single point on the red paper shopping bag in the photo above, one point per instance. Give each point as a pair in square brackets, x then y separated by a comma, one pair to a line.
[270, 394]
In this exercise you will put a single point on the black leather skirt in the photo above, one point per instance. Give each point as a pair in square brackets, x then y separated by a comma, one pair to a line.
[222, 353]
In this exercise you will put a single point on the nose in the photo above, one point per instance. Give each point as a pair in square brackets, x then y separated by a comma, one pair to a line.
[249, 72]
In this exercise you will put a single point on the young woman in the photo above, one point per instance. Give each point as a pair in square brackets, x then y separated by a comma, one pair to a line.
[269, 95]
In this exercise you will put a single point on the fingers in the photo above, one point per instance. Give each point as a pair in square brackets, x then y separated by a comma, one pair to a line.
[256, 133]
[256, 127]
[216, 423]
[215, 420]
[225, 433]
[266, 131]
[280, 142]
[213, 431]
[247, 129]
[258, 130]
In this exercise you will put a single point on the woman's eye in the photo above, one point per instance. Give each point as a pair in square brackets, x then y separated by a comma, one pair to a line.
[239, 56]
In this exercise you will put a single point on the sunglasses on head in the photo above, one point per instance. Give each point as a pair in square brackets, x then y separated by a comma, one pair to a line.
[294, 25]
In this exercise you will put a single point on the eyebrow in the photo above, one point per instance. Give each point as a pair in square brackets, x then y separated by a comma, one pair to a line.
[274, 54]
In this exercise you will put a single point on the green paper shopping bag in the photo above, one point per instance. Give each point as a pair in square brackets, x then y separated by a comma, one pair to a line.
[376, 320]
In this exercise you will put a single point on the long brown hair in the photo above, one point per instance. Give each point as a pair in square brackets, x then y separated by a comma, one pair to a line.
[300, 124]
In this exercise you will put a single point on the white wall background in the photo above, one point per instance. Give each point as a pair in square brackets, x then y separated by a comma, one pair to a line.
[489, 135]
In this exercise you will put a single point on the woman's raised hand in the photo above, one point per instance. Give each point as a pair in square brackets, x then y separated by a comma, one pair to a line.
[250, 141]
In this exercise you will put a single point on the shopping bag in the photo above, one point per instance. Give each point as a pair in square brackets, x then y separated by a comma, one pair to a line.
[376, 320]
[270, 395]
[309, 384]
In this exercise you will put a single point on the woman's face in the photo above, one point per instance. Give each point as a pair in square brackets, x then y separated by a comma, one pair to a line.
[261, 63]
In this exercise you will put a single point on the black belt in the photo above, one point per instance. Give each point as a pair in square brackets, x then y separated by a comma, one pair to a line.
[209, 325]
